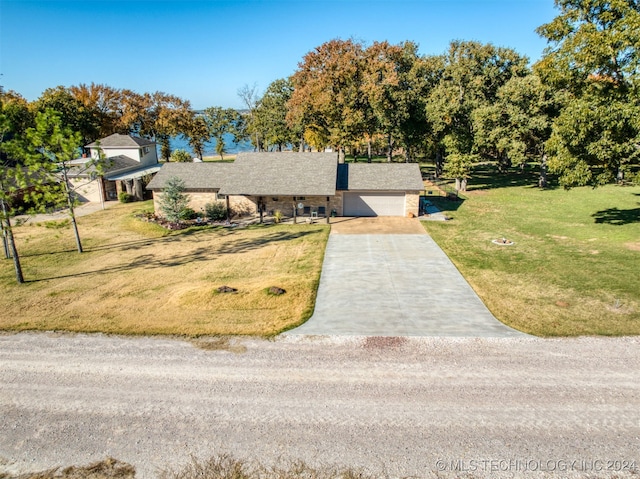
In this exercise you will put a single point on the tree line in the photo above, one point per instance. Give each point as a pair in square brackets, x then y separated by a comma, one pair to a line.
[576, 112]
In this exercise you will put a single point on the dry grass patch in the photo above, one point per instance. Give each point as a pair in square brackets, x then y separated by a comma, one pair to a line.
[136, 278]
[108, 469]
[535, 307]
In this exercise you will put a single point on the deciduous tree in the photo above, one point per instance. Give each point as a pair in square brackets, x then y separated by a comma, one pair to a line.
[593, 60]
[221, 122]
[472, 75]
[102, 102]
[181, 156]
[328, 92]
[250, 97]
[11, 179]
[196, 132]
[47, 151]
[397, 84]
[72, 113]
[270, 115]
[513, 129]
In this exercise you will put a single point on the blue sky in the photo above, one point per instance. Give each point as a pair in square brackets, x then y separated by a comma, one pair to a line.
[204, 51]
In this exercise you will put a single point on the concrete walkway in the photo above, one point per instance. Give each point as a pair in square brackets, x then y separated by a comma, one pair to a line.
[396, 285]
[81, 210]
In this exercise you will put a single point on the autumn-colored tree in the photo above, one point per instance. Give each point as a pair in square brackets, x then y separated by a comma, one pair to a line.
[171, 114]
[157, 116]
[72, 113]
[196, 131]
[397, 83]
[328, 92]
[136, 115]
[105, 105]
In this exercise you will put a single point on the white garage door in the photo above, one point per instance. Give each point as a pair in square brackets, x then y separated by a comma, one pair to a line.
[373, 204]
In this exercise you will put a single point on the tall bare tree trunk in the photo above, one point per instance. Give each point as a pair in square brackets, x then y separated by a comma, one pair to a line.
[439, 163]
[369, 150]
[542, 181]
[10, 243]
[390, 150]
[5, 243]
[72, 213]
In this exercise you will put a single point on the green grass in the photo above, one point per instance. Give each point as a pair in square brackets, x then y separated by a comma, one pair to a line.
[574, 268]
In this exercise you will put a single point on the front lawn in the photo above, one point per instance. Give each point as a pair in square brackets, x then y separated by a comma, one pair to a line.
[137, 278]
[574, 268]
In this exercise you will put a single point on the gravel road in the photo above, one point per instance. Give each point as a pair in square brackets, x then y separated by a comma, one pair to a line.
[516, 407]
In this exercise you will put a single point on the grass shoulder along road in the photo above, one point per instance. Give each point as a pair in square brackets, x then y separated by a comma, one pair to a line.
[574, 267]
[138, 278]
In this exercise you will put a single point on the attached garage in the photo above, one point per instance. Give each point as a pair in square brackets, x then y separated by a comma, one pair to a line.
[374, 203]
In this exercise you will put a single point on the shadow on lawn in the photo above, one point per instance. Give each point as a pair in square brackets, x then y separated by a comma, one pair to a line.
[487, 177]
[146, 261]
[203, 253]
[614, 216]
[249, 244]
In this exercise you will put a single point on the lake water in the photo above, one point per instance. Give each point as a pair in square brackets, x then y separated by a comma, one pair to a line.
[179, 143]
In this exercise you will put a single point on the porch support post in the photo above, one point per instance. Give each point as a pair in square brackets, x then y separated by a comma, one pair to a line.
[327, 213]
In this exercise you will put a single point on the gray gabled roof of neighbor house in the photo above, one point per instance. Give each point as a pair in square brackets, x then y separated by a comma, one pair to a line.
[120, 141]
[113, 164]
[282, 174]
[196, 176]
[379, 177]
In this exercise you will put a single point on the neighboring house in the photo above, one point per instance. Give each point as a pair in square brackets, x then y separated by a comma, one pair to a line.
[130, 163]
[298, 184]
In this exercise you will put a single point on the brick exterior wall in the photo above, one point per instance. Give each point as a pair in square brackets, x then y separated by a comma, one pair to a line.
[248, 205]
[240, 205]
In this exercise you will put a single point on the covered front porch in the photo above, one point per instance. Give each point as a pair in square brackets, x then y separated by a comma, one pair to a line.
[297, 207]
[132, 182]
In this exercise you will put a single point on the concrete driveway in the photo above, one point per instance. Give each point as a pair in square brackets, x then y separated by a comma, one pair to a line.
[387, 277]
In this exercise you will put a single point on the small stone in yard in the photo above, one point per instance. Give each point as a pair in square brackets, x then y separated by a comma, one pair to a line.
[226, 289]
[276, 291]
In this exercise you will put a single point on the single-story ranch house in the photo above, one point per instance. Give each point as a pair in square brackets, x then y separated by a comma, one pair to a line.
[298, 184]
[130, 160]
